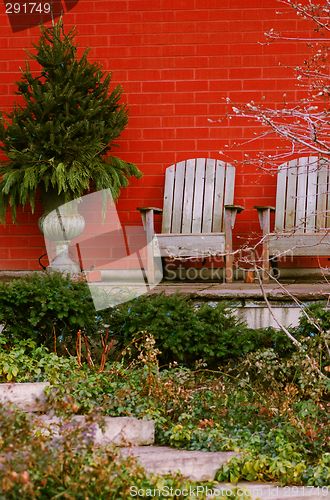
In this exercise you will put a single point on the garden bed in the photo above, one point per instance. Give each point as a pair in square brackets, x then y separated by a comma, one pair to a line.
[207, 382]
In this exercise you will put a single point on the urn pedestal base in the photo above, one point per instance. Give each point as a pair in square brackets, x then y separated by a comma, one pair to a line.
[61, 225]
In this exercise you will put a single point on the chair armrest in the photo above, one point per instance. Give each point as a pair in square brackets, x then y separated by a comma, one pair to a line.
[264, 207]
[264, 217]
[147, 216]
[230, 215]
[238, 208]
[146, 209]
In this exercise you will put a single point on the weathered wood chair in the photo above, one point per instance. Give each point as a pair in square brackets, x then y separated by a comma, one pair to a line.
[198, 214]
[302, 214]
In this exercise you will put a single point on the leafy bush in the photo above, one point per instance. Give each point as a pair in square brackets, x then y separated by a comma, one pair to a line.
[182, 332]
[189, 333]
[31, 307]
[25, 362]
[318, 314]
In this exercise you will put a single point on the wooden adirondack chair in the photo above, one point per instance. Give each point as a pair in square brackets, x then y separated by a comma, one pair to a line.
[198, 213]
[302, 214]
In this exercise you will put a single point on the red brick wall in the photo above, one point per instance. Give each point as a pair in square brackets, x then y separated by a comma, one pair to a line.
[178, 61]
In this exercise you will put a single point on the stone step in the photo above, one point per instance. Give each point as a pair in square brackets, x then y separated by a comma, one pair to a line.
[195, 465]
[202, 466]
[132, 433]
[27, 396]
[120, 431]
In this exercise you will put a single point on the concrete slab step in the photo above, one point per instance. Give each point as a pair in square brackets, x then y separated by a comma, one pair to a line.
[27, 396]
[202, 466]
[121, 431]
[195, 465]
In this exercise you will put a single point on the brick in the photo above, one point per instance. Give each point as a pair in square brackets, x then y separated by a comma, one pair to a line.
[178, 50]
[145, 98]
[225, 85]
[178, 97]
[23, 229]
[158, 110]
[185, 133]
[178, 121]
[245, 73]
[195, 38]
[145, 145]
[191, 15]
[4, 42]
[177, 74]
[190, 109]
[36, 241]
[148, 122]
[213, 26]
[146, 51]
[191, 62]
[179, 145]
[261, 84]
[160, 133]
[34, 253]
[183, 27]
[144, 75]
[204, 97]
[158, 17]
[259, 60]
[192, 86]
[16, 265]
[153, 180]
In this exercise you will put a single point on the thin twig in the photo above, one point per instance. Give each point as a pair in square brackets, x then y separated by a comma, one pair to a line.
[89, 357]
[54, 340]
[295, 341]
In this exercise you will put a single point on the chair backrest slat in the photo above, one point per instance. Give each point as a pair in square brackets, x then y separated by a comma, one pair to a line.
[291, 195]
[198, 196]
[311, 197]
[195, 194]
[301, 194]
[209, 196]
[327, 223]
[322, 186]
[280, 198]
[230, 185]
[178, 197]
[168, 199]
[188, 196]
[219, 194]
[303, 198]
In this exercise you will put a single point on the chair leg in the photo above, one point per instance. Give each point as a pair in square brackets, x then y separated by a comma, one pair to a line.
[274, 264]
[150, 247]
[229, 268]
[150, 263]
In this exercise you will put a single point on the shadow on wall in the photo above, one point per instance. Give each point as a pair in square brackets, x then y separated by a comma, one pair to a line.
[23, 14]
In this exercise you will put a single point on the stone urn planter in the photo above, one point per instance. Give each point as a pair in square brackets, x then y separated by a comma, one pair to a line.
[60, 223]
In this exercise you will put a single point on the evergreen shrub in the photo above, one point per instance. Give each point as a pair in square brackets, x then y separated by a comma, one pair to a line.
[32, 307]
[62, 135]
[184, 333]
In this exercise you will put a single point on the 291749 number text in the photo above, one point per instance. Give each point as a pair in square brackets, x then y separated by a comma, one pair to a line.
[27, 8]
